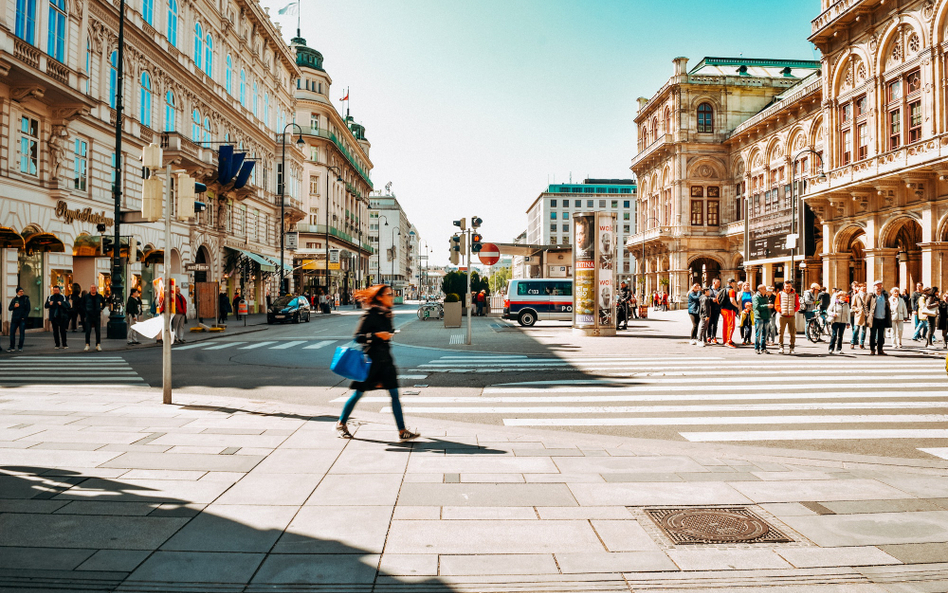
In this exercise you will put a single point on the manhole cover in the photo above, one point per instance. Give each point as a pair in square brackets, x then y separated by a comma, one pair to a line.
[715, 526]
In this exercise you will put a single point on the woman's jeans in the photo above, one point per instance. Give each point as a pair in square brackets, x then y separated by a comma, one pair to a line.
[695, 320]
[356, 395]
[931, 329]
[859, 335]
[836, 337]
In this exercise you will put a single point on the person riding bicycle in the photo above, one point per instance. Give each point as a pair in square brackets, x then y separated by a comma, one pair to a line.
[809, 302]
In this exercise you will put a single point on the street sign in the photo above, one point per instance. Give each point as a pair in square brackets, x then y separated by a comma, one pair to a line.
[489, 254]
[334, 259]
[292, 240]
[197, 267]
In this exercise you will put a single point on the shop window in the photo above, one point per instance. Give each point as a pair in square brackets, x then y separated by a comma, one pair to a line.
[29, 145]
[81, 165]
[705, 119]
[697, 213]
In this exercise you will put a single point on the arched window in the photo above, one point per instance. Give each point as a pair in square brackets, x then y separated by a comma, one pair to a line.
[173, 22]
[88, 66]
[209, 55]
[266, 109]
[655, 131]
[148, 11]
[56, 42]
[145, 103]
[705, 119]
[667, 117]
[171, 114]
[25, 20]
[196, 126]
[207, 130]
[113, 77]
[228, 76]
[254, 98]
[198, 44]
[243, 87]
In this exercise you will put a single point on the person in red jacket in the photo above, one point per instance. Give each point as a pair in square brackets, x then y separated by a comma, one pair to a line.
[786, 305]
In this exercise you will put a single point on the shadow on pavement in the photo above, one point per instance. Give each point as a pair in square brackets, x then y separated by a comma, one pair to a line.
[65, 531]
[229, 410]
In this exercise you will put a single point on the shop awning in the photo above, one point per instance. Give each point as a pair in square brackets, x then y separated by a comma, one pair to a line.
[10, 239]
[86, 246]
[265, 264]
[44, 242]
[155, 256]
[275, 262]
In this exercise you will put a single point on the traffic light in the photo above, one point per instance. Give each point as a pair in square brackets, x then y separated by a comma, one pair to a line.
[132, 250]
[153, 193]
[461, 223]
[476, 239]
[185, 186]
[106, 244]
[455, 243]
[476, 222]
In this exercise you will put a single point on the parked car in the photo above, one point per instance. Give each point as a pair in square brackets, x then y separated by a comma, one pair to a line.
[289, 308]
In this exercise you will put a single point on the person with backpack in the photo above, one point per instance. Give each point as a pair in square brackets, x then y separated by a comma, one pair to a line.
[730, 308]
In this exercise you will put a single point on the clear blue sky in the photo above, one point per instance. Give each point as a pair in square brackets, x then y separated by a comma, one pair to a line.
[473, 107]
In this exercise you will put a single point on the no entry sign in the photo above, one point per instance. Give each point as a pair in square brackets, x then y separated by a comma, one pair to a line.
[489, 254]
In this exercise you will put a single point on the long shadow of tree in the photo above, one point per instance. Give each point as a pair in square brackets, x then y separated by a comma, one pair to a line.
[125, 537]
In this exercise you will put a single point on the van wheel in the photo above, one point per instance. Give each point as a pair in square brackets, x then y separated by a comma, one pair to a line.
[527, 318]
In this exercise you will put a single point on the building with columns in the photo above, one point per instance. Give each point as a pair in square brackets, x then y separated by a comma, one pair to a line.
[839, 175]
[333, 226]
[196, 73]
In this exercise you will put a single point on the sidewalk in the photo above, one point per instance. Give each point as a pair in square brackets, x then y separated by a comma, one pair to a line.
[43, 342]
[114, 491]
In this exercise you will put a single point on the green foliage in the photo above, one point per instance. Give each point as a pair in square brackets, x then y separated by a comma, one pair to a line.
[451, 297]
[498, 280]
[456, 282]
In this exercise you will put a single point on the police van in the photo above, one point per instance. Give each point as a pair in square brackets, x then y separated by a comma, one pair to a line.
[529, 300]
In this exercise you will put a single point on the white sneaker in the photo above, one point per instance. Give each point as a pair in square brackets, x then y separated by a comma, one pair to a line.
[832, 352]
[98, 348]
[701, 344]
[693, 342]
[86, 349]
[791, 351]
[781, 350]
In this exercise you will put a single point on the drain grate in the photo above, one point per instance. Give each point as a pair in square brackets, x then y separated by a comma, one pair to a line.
[732, 525]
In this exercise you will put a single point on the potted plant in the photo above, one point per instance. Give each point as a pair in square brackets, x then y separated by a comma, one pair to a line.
[452, 310]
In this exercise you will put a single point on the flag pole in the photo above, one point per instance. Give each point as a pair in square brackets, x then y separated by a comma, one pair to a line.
[299, 14]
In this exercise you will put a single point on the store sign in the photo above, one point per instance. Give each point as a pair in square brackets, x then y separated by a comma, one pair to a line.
[82, 215]
[292, 240]
[334, 259]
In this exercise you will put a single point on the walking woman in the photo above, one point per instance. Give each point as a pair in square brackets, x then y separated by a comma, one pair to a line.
[930, 310]
[375, 332]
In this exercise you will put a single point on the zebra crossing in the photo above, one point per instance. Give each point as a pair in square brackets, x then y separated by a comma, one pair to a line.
[213, 345]
[64, 370]
[707, 399]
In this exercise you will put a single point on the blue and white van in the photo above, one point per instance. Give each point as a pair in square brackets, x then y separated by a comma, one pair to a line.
[529, 300]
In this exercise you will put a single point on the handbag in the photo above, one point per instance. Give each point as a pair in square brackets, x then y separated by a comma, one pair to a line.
[930, 311]
[351, 363]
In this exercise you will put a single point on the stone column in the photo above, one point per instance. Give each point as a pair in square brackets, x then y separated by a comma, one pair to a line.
[880, 265]
[753, 275]
[836, 270]
[935, 264]
[910, 269]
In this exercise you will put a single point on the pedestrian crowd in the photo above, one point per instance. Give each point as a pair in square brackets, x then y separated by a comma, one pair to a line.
[767, 316]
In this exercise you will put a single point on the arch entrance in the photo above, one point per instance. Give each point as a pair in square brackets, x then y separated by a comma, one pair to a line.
[703, 270]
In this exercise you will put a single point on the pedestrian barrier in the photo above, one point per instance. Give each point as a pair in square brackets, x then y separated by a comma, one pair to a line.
[242, 309]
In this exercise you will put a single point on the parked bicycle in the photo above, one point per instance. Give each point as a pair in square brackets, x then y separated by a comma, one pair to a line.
[817, 327]
[431, 310]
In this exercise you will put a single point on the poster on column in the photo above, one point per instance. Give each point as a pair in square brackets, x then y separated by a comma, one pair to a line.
[605, 273]
[584, 271]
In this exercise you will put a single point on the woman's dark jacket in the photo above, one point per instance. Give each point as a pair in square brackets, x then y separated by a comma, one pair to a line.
[382, 373]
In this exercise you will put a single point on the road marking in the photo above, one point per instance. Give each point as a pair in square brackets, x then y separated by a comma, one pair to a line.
[456, 339]
[257, 345]
[725, 420]
[816, 435]
[768, 395]
[413, 377]
[656, 385]
[669, 408]
[224, 345]
[287, 345]
[936, 451]
[319, 345]
[189, 346]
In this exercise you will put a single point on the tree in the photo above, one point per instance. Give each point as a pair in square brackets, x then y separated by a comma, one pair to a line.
[498, 280]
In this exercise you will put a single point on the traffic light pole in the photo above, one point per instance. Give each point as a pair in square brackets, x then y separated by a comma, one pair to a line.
[117, 328]
[470, 310]
[166, 314]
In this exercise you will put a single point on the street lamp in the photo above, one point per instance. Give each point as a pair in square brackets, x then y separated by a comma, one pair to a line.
[378, 255]
[395, 231]
[794, 223]
[117, 327]
[338, 179]
[299, 142]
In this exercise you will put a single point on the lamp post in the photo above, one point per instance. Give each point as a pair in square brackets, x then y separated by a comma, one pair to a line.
[378, 256]
[338, 179]
[395, 231]
[645, 224]
[795, 225]
[117, 328]
[283, 176]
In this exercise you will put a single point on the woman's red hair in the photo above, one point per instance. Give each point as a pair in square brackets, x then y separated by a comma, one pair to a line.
[370, 295]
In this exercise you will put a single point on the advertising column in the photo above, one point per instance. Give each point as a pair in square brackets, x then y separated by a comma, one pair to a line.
[594, 252]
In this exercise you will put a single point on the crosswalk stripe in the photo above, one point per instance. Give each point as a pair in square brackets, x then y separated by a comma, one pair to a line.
[941, 452]
[669, 408]
[45, 379]
[257, 345]
[287, 345]
[817, 435]
[189, 346]
[725, 420]
[657, 385]
[224, 345]
[768, 395]
[97, 357]
[319, 345]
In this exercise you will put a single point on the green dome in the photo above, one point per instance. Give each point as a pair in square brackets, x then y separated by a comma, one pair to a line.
[306, 57]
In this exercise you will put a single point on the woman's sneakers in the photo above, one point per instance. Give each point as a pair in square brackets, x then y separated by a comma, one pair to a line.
[407, 435]
[343, 431]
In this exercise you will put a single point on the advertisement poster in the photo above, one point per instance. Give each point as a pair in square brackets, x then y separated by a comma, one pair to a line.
[605, 277]
[584, 271]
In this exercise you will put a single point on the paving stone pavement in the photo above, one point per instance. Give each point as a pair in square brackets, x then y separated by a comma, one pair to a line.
[112, 491]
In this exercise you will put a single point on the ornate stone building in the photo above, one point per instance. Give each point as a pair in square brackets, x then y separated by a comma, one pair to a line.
[840, 174]
[334, 227]
[197, 73]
